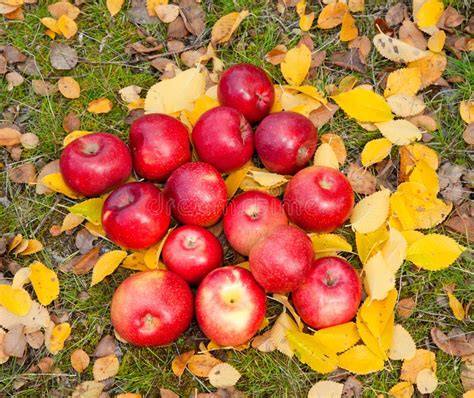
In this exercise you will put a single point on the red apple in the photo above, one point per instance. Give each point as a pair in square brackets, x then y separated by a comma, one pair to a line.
[160, 144]
[330, 295]
[136, 215]
[230, 306]
[319, 199]
[192, 252]
[251, 216]
[95, 163]
[285, 142]
[197, 194]
[248, 89]
[223, 138]
[281, 260]
[152, 308]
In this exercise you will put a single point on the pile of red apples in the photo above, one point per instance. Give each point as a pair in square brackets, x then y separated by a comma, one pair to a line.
[154, 308]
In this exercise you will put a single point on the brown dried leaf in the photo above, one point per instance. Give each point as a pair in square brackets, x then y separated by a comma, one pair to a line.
[424, 122]
[361, 179]
[264, 342]
[84, 240]
[201, 364]
[467, 373]
[468, 134]
[88, 389]
[277, 55]
[193, 16]
[29, 140]
[45, 364]
[381, 25]
[35, 340]
[177, 29]
[29, 67]
[62, 57]
[71, 122]
[3, 65]
[167, 13]
[456, 343]
[105, 367]
[44, 88]
[107, 346]
[450, 19]
[9, 136]
[178, 365]
[165, 393]
[396, 14]
[14, 342]
[349, 60]
[406, 307]
[24, 174]
[14, 79]
[50, 168]
[410, 34]
[192, 57]
[323, 114]
[61, 8]
[463, 224]
[13, 55]
[364, 45]
[80, 360]
[352, 388]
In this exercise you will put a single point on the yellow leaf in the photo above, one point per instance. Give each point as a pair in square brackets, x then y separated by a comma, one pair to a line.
[21, 278]
[364, 105]
[325, 389]
[434, 252]
[349, 29]
[306, 21]
[424, 174]
[309, 351]
[18, 238]
[402, 346]
[45, 283]
[234, 179]
[105, 367]
[337, 144]
[376, 313]
[338, 338]
[405, 105]
[56, 183]
[431, 66]
[360, 360]
[394, 250]
[426, 381]
[114, 6]
[300, 103]
[373, 343]
[137, 104]
[90, 209]
[399, 132]
[436, 41]
[296, 65]
[34, 246]
[95, 229]
[106, 265]
[152, 4]
[74, 136]
[379, 278]
[456, 307]
[278, 333]
[301, 7]
[329, 243]
[411, 236]
[67, 26]
[267, 179]
[356, 5]
[51, 24]
[466, 110]
[152, 254]
[423, 359]
[135, 261]
[202, 105]
[396, 50]
[371, 212]
[69, 87]
[331, 15]
[15, 300]
[404, 389]
[59, 335]
[225, 26]
[374, 151]
[403, 81]
[101, 105]
[310, 91]
[282, 299]
[71, 221]
[223, 375]
[176, 94]
[325, 156]
[367, 244]
[429, 13]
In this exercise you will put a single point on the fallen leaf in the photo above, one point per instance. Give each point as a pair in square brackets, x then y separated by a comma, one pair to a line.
[29, 140]
[62, 57]
[14, 342]
[404, 389]
[338, 338]
[337, 144]
[167, 12]
[225, 26]
[105, 367]
[165, 393]
[405, 105]
[396, 50]
[371, 212]
[468, 134]
[223, 375]
[114, 6]
[80, 360]
[325, 389]
[350, 60]
[396, 14]
[101, 105]
[349, 29]
[69, 87]
[43, 88]
[107, 346]
[320, 116]
[283, 324]
[178, 365]
[23, 174]
[352, 388]
[379, 278]
[35, 340]
[375, 151]
[90, 209]
[264, 342]
[332, 15]
[193, 16]
[234, 180]
[201, 364]
[88, 389]
[306, 21]
[14, 79]
[276, 55]
[362, 181]
[429, 13]
[456, 307]
[15, 300]
[403, 81]
[406, 307]
[426, 381]
[106, 265]
[423, 359]
[60, 8]
[325, 156]
[45, 283]
[56, 183]
[431, 67]
[9, 136]
[360, 360]
[202, 105]
[403, 346]
[467, 373]
[466, 110]
[67, 26]
[58, 336]
[399, 132]
[295, 65]
[411, 35]
[436, 41]
[70, 222]
[325, 244]
[456, 343]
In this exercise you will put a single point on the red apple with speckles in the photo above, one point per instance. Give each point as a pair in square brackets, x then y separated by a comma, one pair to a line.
[152, 308]
[251, 216]
[280, 261]
[136, 215]
[95, 164]
[230, 306]
[197, 194]
[319, 199]
[285, 142]
[223, 138]
[330, 295]
[248, 89]
[160, 144]
[192, 252]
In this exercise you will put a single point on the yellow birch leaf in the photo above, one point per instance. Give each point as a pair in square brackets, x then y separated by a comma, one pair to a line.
[301, 7]
[379, 279]
[371, 212]
[58, 336]
[34, 246]
[225, 26]
[45, 283]
[364, 105]
[79, 360]
[233, 180]
[51, 24]
[412, 236]
[106, 265]
[426, 381]
[394, 250]
[405, 105]
[74, 136]
[90, 209]
[56, 183]
[71, 221]
[176, 94]
[456, 307]
[434, 252]
[402, 346]
[325, 156]
[105, 367]
[137, 104]
[114, 6]
[423, 359]
[310, 91]
[404, 389]
[436, 41]
[96, 230]
[376, 313]
[396, 50]
[399, 132]
[360, 360]
[338, 338]
[373, 343]
[306, 21]
[431, 65]
[403, 81]
[101, 105]
[135, 261]
[368, 243]
[429, 13]
[424, 174]
[324, 243]
[356, 5]
[266, 179]
[202, 105]
[15, 300]
[278, 333]
[375, 151]
[337, 144]
[296, 65]
[60, 8]
[326, 388]
[309, 351]
[349, 29]
[466, 110]
[69, 87]
[152, 4]
[178, 365]
[152, 254]
[331, 15]
[67, 26]
[21, 278]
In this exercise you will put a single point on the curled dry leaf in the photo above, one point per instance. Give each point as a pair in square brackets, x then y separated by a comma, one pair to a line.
[223, 375]
[224, 28]
[106, 265]
[80, 360]
[264, 342]
[178, 365]
[105, 367]
[456, 342]
[24, 174]
[193, 16]
[361, 179]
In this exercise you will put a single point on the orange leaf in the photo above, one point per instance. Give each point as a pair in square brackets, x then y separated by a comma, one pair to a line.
[69, 87]
[101, 105]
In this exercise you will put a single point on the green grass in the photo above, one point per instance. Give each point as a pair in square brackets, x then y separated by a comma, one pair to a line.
[104, 70]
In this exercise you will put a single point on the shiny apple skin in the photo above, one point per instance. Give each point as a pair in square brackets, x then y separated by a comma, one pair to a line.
[249, 217]
[197, 194]
[330, 295]
[152, 308]
[160, 144]
[136, 215]
[285, 142]
[230, 306]
[95, 164]
[223, 138]
[248, 89]
[192, 252]
[280, 261]
[319, 199]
